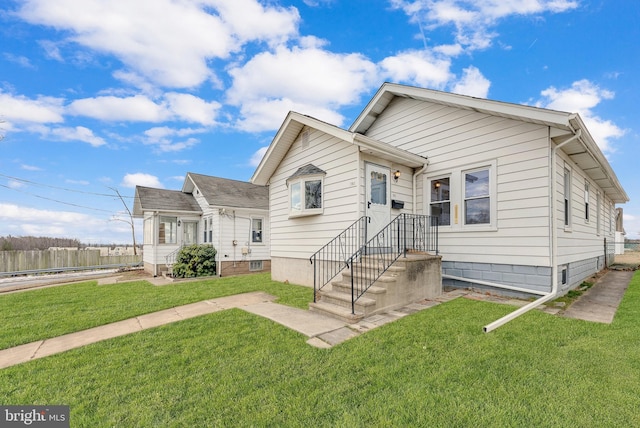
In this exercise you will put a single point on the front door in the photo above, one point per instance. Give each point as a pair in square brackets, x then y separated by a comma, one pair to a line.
[189, 232]
[378, 203]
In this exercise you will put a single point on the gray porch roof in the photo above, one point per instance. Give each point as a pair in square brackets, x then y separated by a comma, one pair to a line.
[223, 192]
[152, 199]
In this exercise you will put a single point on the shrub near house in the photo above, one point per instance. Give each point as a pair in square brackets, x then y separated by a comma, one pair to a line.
[195, 260]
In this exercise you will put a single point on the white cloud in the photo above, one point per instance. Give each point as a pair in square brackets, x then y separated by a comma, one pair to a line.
[22, 109]
[472, 83]
[15, 184]
[26, 221]
[192, 109]
[140, 108]
[135, 108]
[472, 21]
[582, 97]
[78, 133]
[30, 167]
[163, 138]
[141, 179]
[168, 42]
[419, 67]
[311, 80]
[257, 156]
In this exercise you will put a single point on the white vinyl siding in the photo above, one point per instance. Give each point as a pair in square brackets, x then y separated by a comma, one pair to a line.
[456, 140]
[300, 237]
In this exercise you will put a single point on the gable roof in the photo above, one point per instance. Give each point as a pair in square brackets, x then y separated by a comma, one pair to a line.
[223, 192]
[583, 150]
[152, 199]
[294, 123]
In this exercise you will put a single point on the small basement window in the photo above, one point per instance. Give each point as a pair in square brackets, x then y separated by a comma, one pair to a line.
[255, 265]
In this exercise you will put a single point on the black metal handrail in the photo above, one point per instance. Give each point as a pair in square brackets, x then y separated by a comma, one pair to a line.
[331, 259]
[407, 232]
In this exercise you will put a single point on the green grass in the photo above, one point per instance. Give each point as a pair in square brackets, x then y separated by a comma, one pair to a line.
[49, 312]
[434, 368]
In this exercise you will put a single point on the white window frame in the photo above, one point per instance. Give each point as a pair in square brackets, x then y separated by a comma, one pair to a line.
[173, 230]
[300, 183]
[586, 201]
[431, 182]
[598, 214]
[463, 187]
[457, 196]
[252, 238]
[566, 200]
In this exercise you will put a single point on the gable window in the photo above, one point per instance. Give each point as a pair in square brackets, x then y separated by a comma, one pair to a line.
[586, 201]
[305, 191]
[168, 230]
[256, 230]
[567, 197]
[440, 205]
[477, 199]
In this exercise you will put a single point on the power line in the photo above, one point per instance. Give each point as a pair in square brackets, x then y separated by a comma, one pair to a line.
[22, 180]
[56, 200]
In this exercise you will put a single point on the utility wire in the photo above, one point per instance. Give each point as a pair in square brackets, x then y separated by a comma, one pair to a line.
[22, 180]
[56, 200]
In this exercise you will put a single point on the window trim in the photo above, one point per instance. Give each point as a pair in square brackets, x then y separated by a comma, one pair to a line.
[251, 237]
[174, 220]
[566, 197]
[464, 198]
[586, 201]
[431, 202]
[301, 181]
[456, 189]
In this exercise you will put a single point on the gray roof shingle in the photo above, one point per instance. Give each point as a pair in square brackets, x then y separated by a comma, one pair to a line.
[152, 199]
[231, 193]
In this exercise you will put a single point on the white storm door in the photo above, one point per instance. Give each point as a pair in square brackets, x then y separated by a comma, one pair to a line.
[378, 202]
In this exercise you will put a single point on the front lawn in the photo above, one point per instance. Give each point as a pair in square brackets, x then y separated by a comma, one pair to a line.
[433, 368]
[48, 312]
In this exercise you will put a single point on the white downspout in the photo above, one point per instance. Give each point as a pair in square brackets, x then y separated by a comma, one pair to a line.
[415, 179]
[554, 247]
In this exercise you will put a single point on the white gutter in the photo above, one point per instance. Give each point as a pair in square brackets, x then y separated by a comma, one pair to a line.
[554, 247]
[415, 178]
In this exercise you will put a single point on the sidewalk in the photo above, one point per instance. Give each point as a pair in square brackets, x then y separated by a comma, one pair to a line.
[598, 304]
[322, 331]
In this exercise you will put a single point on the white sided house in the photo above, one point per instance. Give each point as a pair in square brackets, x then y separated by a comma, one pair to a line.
[231, 215]
[524, 198]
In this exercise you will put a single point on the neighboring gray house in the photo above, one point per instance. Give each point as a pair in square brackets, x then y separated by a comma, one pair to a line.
[231, 215]
[524, 196]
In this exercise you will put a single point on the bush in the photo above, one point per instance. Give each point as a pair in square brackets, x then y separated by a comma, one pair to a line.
[195, 260]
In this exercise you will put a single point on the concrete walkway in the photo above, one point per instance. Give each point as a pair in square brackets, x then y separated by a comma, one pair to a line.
[600, 302]
[322, 331]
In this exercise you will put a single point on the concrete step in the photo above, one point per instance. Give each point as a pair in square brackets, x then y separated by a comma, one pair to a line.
[345, 287]
[338, 312]
[364, 304]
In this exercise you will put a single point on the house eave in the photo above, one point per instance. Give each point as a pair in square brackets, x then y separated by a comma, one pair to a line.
[388, 152]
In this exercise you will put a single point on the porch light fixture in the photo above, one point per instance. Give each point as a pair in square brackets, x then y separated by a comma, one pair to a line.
[396, 175]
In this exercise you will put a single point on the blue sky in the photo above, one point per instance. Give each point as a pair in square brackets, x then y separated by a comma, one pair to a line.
[97, 95]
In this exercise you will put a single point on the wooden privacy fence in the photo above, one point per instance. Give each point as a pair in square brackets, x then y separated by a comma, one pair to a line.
[20, 261]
